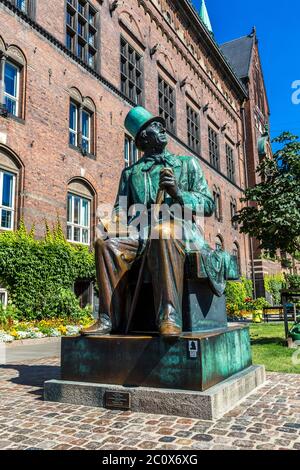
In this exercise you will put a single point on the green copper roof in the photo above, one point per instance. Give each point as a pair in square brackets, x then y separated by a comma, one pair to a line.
[205, 17]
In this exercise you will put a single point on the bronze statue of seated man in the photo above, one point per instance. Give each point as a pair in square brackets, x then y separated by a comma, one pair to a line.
[158, 177]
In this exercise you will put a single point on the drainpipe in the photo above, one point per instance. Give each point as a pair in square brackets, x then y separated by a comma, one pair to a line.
[247, 185]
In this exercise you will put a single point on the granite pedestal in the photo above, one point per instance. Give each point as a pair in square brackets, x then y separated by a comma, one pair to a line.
[209, 405]
[200, 374]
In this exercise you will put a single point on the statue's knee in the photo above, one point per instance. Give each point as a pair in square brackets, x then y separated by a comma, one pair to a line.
[101, 245]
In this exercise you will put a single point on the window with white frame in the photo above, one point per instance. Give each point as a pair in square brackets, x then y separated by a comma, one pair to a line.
[11, 87]
[73, 128]
[131, 153]
[86, 131]
[80, 128]
[7, 200]
[78, 219]
[3, 297]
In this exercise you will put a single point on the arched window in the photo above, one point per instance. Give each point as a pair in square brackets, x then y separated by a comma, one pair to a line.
[218, 203]
[219, 243]
[233, 213]
[12, 81]
[82, 123]
[9, 183]
[79, 209]
[236, 253]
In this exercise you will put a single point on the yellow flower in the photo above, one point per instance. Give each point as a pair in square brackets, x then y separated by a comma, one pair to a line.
[63, 330]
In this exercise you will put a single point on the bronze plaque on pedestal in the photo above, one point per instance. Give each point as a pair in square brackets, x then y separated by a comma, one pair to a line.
[118, 401]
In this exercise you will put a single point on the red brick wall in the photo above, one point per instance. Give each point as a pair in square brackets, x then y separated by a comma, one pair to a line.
[41, 141]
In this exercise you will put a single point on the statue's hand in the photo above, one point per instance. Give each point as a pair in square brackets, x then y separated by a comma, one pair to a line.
[168, 183]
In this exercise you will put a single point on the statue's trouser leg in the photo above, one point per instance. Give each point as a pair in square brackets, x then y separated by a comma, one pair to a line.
[114, 258]
[166, 260]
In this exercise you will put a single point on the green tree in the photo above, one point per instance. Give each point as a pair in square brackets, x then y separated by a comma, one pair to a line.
[273, 212]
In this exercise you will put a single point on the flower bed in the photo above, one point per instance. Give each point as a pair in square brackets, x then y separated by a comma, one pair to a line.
[250, 309]
[44, 329]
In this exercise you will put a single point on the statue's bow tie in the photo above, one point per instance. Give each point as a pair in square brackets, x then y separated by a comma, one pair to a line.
[150, 162]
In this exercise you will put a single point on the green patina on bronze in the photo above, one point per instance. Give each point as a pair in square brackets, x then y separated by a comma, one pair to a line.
[176, 185]
[158, 362]
[137, 119]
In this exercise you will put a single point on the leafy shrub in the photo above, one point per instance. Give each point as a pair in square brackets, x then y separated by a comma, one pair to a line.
[237, 292]
[39, 274]
[273, 285]
[293, 281]
[8, 315]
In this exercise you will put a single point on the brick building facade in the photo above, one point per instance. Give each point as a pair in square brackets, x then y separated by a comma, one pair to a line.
[70, 72]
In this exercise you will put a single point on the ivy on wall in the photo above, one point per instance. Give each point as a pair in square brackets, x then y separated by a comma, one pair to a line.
[39, 274]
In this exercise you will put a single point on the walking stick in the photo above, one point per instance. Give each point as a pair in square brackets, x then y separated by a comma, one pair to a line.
[159, 200]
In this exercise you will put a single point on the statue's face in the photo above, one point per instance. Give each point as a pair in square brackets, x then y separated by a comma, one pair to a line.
[154, 136]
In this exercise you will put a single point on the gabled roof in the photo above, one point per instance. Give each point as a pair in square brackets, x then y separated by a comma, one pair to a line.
[239, 53]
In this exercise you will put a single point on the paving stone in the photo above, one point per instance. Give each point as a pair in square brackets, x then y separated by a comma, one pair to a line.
[268, 419]
[203, 437]
[167, 439]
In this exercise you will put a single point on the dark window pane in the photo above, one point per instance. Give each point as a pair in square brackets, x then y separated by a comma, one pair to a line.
[69, 233]
[131, 74]
[7, 192]
[73, 116]
[76, 234]
[214, 148]
[11, 105]
[86, 124]
[11, 79]
[193, 126]
[22, 5]
[6, 219]
[167, 104]
[86, 31]
[230, 163]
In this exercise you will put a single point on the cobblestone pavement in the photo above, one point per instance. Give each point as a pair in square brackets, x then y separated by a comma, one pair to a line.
[267, 419]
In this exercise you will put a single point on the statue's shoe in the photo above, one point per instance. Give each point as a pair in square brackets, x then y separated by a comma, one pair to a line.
[102, 327]
[170, 329]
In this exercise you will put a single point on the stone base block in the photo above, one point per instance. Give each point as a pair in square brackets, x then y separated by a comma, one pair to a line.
[208, 405]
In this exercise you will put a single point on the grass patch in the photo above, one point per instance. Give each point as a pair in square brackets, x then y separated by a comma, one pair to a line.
[268, 347]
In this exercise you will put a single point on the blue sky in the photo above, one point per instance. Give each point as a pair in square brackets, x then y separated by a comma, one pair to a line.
[278, 31]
